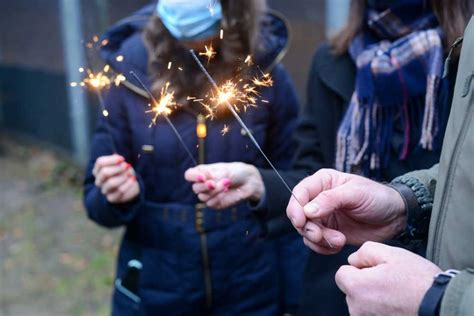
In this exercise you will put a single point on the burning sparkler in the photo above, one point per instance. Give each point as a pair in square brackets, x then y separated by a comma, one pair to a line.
[225, 98]
[163, 108]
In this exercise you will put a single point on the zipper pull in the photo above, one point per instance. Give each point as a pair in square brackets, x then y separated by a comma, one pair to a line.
[447, 62]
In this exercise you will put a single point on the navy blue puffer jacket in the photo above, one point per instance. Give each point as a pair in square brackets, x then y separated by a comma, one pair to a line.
[194, 260]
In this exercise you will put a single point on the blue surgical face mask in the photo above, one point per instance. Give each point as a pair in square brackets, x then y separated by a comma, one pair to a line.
[190, 19]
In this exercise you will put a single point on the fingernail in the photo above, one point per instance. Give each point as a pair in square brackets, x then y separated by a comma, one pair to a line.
[211, 186]
[128, 166]
[311, 208]
[226, 182]
[120, 160]
[200, 178]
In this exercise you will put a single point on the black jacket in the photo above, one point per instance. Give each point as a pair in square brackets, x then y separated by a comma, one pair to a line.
[330, 87]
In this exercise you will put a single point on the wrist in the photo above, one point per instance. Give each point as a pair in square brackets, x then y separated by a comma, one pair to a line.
[397, 215]
[431, 302]
[258, 190]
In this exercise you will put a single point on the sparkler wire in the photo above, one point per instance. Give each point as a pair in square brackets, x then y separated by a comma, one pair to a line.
[247, 130]
[173, 127]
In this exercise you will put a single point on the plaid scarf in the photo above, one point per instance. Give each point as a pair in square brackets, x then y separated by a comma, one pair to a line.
[399, 59]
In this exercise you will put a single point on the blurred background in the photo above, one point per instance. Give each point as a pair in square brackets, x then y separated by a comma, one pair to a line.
[52, 260]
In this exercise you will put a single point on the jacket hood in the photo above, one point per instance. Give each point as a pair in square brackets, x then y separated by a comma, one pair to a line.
[125, 39]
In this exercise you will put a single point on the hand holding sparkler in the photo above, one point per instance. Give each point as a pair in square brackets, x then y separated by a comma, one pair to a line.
[222, 185]
[116, 179]
[224, 97]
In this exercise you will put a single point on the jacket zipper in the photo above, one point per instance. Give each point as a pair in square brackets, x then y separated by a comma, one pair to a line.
[450, 175]
[201, 132]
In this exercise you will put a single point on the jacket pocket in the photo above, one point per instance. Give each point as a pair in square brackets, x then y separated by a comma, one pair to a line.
[124, 301]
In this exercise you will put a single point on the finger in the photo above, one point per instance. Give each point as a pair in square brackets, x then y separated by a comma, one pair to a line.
[108, 172]
[347, 278]
[196, 174]
[371, 254]
[319, 249]
[104, 161]
[127, 186]
[200, 188]
[203, 197]
[324, 237]
[112, 184]
[225, 199]
[327, 202]
[117, 195]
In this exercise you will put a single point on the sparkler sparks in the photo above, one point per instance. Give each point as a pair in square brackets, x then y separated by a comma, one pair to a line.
[248, 60]
[209, 52]
[225, 101]
[164, 107]
[225, 130]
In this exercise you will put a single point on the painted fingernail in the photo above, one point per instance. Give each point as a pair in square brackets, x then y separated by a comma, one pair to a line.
[211, 186]
[128, 166]
[311, 208]
[120, 160]
[200, 178]
[226, 182]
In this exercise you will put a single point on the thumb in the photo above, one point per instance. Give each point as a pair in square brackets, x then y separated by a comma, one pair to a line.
[371, 254]
[329, 201]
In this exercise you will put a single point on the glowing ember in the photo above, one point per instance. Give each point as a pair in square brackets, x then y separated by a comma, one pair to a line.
[166, 103]
[209, 52]
[248, 60]
[225, 130]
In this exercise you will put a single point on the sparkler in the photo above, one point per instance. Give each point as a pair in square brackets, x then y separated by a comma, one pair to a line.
[163, 108]
[224, 98]
[97, 81]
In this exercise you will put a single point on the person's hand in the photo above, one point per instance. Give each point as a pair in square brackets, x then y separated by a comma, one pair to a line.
[222, 185]
[383, 280]
[116, 179]
[342, 208]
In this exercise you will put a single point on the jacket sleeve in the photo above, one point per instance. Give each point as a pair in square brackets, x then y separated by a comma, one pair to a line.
[459, 296]
[117, 131]
[308, 154]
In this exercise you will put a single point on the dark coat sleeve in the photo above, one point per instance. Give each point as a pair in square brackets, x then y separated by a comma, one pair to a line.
[118, 131]
[315, 137]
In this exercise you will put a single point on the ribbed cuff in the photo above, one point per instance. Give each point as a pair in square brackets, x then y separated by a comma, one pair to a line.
[418, 203]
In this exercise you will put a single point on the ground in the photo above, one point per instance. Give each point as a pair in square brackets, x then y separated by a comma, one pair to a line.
[53, 260]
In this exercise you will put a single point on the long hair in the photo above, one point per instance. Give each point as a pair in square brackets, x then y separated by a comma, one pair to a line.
[453, 16]
[240, 25]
